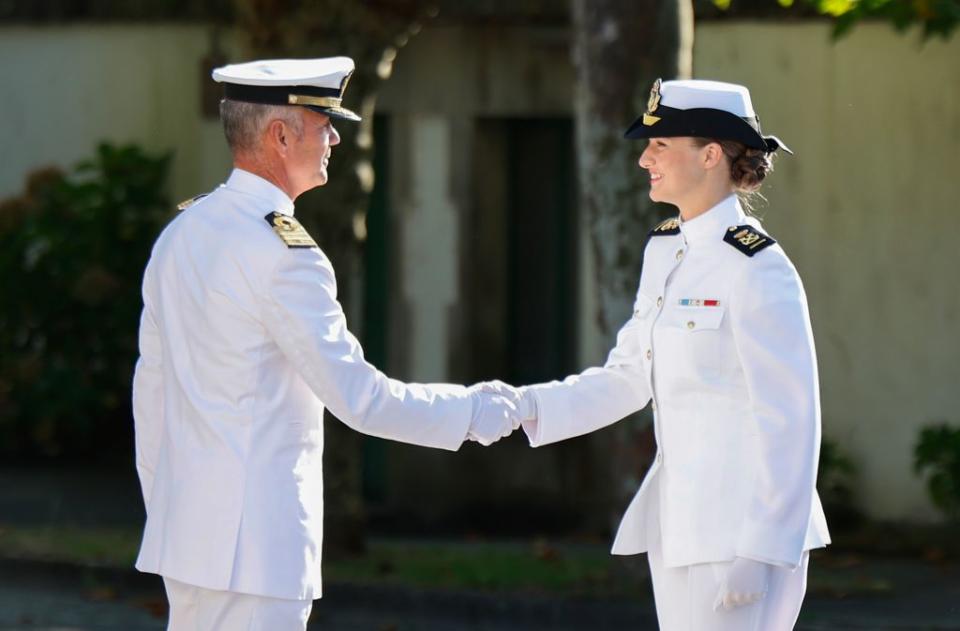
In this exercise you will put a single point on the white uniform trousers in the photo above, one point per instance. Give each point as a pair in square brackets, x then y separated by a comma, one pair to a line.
[197, 609]
[685, 595]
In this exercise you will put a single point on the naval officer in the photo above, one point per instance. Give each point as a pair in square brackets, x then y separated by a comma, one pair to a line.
[242, 346]
[720, 345]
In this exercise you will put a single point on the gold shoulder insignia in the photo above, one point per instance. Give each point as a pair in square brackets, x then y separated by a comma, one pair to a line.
[747, 239]
[667, 227]
[187, 203]
[290, 231]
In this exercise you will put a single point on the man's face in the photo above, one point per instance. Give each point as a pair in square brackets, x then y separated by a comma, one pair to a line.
[310, 153]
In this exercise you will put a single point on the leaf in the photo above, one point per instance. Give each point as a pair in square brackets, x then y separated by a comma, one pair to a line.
[937, 17]
[836, 8]
[937, 454]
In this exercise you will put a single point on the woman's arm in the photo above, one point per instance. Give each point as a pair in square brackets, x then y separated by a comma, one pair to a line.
[593, 399]
[775, 346]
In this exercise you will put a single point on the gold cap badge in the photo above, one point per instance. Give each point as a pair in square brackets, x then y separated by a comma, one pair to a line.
[652, 104]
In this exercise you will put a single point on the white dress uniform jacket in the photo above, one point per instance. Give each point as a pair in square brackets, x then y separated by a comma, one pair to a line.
[242, 344]
[721, 342]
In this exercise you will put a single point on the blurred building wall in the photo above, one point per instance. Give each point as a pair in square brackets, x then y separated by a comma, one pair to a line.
[867, 211]
[65, 88]
[865, 208]
[450, 102]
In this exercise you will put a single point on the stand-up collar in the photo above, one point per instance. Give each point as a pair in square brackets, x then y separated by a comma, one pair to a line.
[249, 184]
[712, 223]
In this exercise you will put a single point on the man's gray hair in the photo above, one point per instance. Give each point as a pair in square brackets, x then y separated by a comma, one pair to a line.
[244, 123]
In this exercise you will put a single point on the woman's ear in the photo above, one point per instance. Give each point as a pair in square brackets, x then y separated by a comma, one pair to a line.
[712, 155]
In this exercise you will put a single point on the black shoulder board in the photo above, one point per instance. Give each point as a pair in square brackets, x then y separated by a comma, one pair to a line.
[290, 231]
[187, 203]
[664, 228]
[747, 239]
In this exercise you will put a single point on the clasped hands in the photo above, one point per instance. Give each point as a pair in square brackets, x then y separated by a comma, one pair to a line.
[498, 409]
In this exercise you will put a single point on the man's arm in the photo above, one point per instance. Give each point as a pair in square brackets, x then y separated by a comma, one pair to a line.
[148, 400]
[583, 403]
[303, 315]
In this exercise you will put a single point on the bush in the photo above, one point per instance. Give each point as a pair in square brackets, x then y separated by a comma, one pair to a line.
[72, 252]
[835, 480]
[937, 454]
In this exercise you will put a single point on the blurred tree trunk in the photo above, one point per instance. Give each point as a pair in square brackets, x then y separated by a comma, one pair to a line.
[619, 49]
[371, 32]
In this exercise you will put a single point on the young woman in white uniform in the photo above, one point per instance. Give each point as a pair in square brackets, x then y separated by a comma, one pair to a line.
[720, 344]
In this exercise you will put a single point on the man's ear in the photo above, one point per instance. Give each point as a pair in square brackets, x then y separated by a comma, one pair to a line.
[278, 136]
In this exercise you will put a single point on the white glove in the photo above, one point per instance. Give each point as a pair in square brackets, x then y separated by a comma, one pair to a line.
[494, 417]
[522, 398]
[746, 582]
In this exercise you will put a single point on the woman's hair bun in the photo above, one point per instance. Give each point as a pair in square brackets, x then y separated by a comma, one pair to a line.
[748, 167]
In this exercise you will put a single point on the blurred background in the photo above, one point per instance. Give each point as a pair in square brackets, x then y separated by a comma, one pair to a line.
[486, 221]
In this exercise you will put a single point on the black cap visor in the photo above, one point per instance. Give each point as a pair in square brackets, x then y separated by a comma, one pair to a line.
[340, 113]
[703, 123]
[321, 100]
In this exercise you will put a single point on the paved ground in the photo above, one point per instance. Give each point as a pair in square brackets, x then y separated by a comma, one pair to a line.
[35, 596]
[62, 598]
[847, 592]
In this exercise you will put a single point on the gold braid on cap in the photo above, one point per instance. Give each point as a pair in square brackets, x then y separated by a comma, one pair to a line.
[322, 101]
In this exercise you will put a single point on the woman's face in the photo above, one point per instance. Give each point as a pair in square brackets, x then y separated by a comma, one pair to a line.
[676, 167]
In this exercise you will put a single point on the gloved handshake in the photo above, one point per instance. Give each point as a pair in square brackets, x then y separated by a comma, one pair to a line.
[498, 409]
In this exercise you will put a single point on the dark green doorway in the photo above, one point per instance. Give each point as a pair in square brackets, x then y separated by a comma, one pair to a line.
[520, 276]
[376, 297]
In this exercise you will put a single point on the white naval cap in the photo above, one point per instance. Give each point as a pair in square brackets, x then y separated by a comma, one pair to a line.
[317, 84]
[703, 109]
[688, 94]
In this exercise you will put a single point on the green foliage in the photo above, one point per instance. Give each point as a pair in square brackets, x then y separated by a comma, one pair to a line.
[835, 480]
[96, 546]
[563, 569]
[72, 252]
[937, 455]
[514, 567]
[936, 17]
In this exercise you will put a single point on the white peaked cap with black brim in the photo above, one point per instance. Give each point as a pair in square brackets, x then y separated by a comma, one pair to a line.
[702, 109]
[317, 84]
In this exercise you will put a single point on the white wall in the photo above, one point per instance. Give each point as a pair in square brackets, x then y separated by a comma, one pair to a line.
[442, 81]
[66, 88]
[867, 209]
[428, 243]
